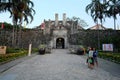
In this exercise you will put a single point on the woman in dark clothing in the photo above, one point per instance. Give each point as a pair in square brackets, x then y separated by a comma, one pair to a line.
[95, 53]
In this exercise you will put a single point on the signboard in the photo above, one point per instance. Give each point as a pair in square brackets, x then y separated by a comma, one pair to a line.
[107, 47]
[2, 49]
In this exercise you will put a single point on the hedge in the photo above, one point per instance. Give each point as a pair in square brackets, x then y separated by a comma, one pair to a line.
[14, 53]
[11, 56]
[114, 57]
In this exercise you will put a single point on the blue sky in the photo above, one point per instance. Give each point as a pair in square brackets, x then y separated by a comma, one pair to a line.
[46, 9]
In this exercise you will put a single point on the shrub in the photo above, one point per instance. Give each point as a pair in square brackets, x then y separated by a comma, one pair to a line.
[35, 50]
[115, 57]
[8, 57]
[13, 50]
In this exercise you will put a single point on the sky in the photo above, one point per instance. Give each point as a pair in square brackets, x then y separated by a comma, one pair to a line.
[46, 9]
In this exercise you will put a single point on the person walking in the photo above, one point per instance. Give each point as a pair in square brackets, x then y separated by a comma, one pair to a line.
[90, 59]
[95, 54]
[87, 52]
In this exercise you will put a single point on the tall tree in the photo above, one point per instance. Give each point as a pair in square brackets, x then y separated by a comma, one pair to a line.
[96, 9]
[113, 10]
[20, 10]
[99, 9]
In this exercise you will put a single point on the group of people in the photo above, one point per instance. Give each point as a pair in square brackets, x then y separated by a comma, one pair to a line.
[92, 57]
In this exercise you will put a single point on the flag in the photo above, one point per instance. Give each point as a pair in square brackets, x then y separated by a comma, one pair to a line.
[2, 25]
[43, 26]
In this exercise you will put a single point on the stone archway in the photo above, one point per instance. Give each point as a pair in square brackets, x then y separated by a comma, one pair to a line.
[60, 43]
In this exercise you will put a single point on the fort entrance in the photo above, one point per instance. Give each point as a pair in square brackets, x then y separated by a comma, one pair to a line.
[59, 40]
[60, 43]
[59, 32]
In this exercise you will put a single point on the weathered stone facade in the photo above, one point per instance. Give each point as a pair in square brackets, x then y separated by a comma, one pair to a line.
[60, 39]
[83, 37]
[60, 34]
[60, 31]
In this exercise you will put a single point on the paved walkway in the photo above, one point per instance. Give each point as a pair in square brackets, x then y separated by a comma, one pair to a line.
[60, 65]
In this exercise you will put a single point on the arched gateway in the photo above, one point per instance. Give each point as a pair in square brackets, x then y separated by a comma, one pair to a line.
[60, 43]
[59, 39]
[59, 28]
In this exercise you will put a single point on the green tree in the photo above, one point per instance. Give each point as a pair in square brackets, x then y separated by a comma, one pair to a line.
[113, 10]
[7, 26]
[96, 9]
[78, 21]
[20, 10]
[99, 9]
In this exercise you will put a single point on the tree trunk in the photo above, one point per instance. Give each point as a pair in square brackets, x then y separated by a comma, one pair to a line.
[98, 36]
[114, 24]
[13, 37]
[20, 36]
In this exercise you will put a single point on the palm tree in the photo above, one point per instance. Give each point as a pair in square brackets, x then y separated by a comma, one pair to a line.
[100, 9]
[23, 11]
[97, 10]
[113, 9]
[20, 10]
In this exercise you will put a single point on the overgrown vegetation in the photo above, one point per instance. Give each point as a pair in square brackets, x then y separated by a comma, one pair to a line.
[8, 26]
[93, 37]
[114, 57]
[13, 54]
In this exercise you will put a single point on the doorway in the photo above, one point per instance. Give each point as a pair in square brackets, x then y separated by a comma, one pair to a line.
[60, 43]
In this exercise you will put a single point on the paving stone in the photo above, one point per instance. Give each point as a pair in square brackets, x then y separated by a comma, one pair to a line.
[59, 65]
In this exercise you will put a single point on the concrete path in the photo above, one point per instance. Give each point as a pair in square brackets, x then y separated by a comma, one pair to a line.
[60, 65]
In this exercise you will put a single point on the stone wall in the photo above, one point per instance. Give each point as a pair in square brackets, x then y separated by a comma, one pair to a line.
[86, 38]
[36, 37]
[95, 38]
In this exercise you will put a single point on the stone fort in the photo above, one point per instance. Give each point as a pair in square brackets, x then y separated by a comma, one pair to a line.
[60, 30]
